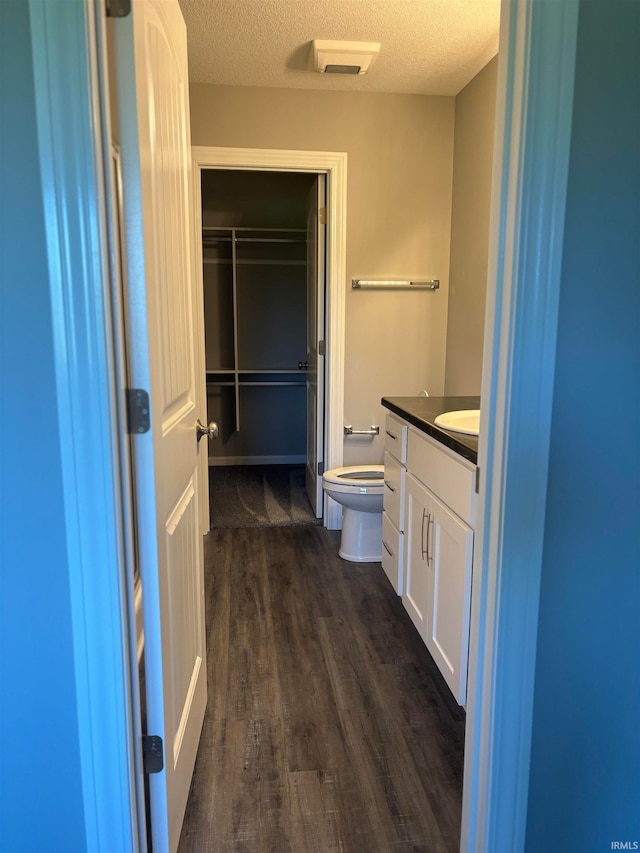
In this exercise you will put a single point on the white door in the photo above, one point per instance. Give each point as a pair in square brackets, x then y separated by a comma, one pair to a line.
[315, 331]
[415, 596]
[164, 314]
[437, 593]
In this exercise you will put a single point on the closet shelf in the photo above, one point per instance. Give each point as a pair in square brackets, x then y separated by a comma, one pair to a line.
[245, 229]
[224, 241]
[270, 378]
[255, 262]
[214, 235]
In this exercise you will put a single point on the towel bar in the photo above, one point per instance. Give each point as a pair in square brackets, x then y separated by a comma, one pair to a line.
[424, 284]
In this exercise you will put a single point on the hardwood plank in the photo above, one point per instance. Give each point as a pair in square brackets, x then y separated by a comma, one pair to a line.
[394, 796]
[207, 823]
[314, 738]
[218, 558]
[252, 679]
[315, 812]
[259, 806]
[323, 572]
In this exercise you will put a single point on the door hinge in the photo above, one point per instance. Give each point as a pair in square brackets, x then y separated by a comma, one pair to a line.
[322, 347]
[138, 415]
[322, 215]
[152, 754]
[118, 8]
[477, 480]
[320, 468]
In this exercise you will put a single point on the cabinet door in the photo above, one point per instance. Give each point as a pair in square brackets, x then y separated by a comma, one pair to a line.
[416, 594]
[449, 543]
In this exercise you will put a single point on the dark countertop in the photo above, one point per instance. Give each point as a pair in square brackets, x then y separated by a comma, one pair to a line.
[422, 412]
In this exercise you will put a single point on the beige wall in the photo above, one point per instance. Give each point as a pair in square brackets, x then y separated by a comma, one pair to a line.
[399, 173]
[472, 167]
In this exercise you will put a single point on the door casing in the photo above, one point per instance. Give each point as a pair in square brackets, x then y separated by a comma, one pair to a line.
[530, 167]
[333, 165]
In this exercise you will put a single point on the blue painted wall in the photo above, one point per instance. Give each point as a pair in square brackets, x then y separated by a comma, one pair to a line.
[41, 805]
[585, 770]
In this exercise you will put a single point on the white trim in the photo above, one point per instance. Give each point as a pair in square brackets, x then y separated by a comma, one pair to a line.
[76, 183]
[334, 166]
[535, 96]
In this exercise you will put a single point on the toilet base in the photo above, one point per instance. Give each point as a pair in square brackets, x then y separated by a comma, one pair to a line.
[361, 540]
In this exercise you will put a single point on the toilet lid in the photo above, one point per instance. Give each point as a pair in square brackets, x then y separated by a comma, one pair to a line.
[362, 475]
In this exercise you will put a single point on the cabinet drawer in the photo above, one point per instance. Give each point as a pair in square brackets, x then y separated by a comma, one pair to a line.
[392, 553]
[447, 475]
[395, 438]
[394, 474]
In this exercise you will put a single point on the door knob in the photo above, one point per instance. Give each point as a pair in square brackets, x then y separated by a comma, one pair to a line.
[211, 431]
[303, 365]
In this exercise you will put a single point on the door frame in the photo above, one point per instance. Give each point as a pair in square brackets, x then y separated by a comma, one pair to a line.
[332, 164]
[536, 85]
[80, 201]
[530, 170]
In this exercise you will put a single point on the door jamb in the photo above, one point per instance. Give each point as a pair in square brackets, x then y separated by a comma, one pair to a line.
[334, 166]
[74, 138]
[530, 171]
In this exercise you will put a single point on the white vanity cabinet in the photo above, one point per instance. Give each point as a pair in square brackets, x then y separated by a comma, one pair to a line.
[438, 532]
[395, 457]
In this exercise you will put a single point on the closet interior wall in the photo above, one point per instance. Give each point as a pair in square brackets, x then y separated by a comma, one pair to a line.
[255, 292]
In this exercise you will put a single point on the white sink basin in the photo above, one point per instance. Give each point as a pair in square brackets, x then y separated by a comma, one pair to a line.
[466, 421]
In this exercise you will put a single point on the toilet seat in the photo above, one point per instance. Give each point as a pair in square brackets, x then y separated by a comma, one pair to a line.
[362, 478]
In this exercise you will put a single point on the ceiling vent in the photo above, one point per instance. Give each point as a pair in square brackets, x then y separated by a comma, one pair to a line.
[344, 57]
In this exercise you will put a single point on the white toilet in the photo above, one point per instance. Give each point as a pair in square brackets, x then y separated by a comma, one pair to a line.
[360, 490]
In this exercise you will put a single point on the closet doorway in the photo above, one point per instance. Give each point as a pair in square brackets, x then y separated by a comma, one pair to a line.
[333, 166]
[263, 273]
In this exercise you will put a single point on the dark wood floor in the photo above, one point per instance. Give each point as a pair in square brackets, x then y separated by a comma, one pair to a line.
[328, 726]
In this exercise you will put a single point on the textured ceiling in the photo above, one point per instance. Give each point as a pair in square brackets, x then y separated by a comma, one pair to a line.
[429, 47]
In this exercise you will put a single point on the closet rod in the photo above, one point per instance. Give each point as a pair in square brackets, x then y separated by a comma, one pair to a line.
[245, 382]
[269, 262]
[271, 384]
[255, 262]
[298, 241]
[222, 238]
